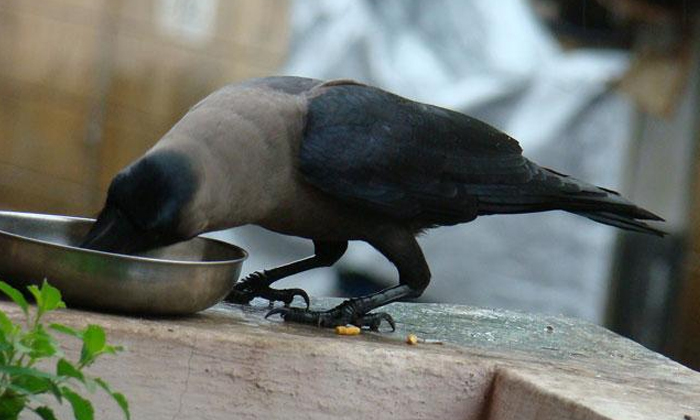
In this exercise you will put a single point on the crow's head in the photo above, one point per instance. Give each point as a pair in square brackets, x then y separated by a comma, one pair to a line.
[147, 205]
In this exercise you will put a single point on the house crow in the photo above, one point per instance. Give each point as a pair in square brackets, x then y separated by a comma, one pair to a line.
[333, 162]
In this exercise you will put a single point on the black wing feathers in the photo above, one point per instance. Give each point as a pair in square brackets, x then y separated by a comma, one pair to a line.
[403, 158]
[433, 166]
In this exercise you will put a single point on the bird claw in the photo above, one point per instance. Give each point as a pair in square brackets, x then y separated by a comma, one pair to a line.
[241, 298]
[256, 285]
[285, 296]
[374, 320]
[337, 316]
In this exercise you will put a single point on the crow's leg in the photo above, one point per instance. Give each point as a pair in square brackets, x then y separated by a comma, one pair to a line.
[401, 248]
[257, 284]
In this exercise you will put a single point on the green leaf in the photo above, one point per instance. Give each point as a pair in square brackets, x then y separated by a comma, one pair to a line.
[104, 385]
[21, 348]
[82, 409]
[112, 349]
[45, 413]
[94, 342]
[66, 330]
[22, 393]
[24, 346]
[29, 382]
[32, 385]
[6, 326]
[11, 405]
[66, 368]
[118, 397]
[41, 343]
[51, 297]
[56, 391]
[7, 348]
[94, 338]
[16, 296]
[123, 403]
[37, 296]
[15, 371]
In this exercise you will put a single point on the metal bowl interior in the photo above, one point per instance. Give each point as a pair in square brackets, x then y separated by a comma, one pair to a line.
[179, 279]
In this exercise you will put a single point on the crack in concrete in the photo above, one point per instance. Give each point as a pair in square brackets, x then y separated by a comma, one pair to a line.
[487, 405]
[187, 380]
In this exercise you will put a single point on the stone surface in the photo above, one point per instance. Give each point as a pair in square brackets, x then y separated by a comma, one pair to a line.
[228, 362]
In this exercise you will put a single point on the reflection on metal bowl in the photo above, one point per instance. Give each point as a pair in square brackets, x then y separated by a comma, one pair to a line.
[179, 279]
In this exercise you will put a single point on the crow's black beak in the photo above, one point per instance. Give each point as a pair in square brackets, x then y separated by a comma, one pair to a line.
[114, 232]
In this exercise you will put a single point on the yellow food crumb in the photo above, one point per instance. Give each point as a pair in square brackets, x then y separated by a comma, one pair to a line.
[347, 330]
[412, 339]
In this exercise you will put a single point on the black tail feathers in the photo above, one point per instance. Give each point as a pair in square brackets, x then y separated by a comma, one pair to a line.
[627, 221]
[550, 190]
[605, 206]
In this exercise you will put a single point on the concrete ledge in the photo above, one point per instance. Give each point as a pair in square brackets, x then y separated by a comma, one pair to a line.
[228, 363]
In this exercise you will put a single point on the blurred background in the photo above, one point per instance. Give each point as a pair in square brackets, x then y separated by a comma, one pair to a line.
[607, 91]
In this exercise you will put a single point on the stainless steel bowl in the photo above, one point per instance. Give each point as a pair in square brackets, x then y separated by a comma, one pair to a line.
[179, 279]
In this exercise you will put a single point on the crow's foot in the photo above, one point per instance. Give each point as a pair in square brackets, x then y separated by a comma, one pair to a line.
[343, 314]
[257, 285]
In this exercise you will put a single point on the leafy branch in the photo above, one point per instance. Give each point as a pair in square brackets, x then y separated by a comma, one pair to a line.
[24, 344]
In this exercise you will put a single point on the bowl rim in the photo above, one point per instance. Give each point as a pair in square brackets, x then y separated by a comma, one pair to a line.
[58, 217]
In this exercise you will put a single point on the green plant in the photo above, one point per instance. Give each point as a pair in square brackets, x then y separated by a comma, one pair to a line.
[24, 344]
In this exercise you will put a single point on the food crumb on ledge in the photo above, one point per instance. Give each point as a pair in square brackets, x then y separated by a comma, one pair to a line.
[347, 330]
